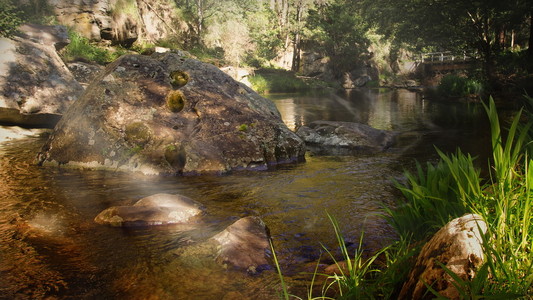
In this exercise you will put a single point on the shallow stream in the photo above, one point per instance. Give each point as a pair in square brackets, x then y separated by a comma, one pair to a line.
[50, 246]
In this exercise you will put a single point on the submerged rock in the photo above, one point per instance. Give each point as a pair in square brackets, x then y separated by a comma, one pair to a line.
[458, 246]
[343, 138]
[36, 87]
[158, 209]
[169, 114]
[244, 246]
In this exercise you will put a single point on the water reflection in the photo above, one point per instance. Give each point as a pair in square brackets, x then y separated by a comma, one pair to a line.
[390, 110]
[422, 123]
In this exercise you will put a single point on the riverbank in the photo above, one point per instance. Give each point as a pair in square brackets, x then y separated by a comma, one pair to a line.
[432, 196]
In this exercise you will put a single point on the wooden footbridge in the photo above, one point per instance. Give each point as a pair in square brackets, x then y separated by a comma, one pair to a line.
[443, 62]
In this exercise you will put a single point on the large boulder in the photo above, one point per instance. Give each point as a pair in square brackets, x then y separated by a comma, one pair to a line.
[158, 209]
[36, 86]
[239, 74]
[169, 114]
[458, 246]
[332, 137]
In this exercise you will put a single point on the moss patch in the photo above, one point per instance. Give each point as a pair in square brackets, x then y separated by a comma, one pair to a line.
[175, 101]
[178, 79]
[138, 133]
[243, 127]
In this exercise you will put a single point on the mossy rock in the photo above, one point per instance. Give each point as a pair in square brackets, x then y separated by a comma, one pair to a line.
[175, 101]
[178, 79]
[138, 134]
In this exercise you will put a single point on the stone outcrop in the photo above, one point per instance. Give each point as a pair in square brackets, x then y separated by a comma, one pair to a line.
[350, 82]
[159, 20]
[244, 245]
[313, 64]
[458, 246]
[36, 86]
[169, 114]
[98, 20]
[119, 21]
[345, 138]
[158, 209]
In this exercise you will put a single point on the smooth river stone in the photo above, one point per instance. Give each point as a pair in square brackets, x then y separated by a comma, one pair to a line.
[158, 209]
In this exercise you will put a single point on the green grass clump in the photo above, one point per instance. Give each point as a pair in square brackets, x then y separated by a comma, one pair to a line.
[358, 275]
[137, 133]
[436, 195]
[276, 81]
[179, 79]
[81, 48]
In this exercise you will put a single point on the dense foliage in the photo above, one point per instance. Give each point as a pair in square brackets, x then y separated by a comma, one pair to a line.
[10, 18]
[459, 86]
[481, 28]
[348, 34]
[339, 33]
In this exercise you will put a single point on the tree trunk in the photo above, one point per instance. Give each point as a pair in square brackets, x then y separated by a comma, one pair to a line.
[530, 44]
[296, 47]
[296, 54]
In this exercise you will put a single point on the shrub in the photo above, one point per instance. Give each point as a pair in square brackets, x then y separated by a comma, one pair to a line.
[10, 18]
[457, 86]
[276, 81]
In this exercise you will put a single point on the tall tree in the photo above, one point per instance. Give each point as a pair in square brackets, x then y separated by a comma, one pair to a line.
[339, 31]
[301, 7]
[197, 13]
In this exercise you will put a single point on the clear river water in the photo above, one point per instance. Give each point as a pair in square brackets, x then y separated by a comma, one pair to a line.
[51, 248]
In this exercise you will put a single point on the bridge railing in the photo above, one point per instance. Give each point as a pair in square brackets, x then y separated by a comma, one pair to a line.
[443, 57]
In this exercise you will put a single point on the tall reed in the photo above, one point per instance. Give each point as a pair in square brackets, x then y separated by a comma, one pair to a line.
[436, 195]
[507, 208]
